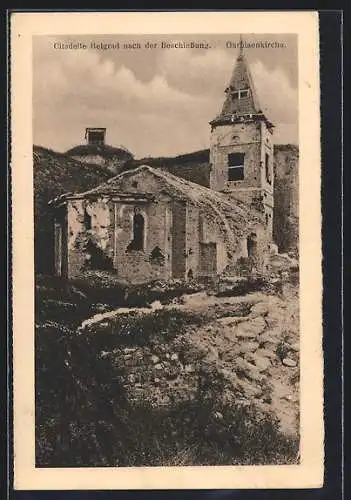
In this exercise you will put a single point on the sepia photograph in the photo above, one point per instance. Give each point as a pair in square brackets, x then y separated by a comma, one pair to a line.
[166, 249]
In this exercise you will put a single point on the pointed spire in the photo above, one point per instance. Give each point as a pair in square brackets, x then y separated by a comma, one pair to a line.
[241, 47]
[241, 100]
[241, 93]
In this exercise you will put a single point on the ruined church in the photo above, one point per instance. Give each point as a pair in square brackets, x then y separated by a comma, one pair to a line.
[150, 223]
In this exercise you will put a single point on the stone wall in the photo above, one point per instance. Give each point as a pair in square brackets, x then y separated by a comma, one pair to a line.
[164, 372]
[100, 236]
[180, 238]
[192, 241]
[252, 139]
[105, 242]
[90, 226]
[286, 198]
[235, 138]
[153, 261]
[255, 141]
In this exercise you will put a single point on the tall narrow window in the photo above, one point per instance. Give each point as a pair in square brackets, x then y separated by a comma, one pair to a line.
[138, 233]
[87, 220]
[236, 166]
[268, 169]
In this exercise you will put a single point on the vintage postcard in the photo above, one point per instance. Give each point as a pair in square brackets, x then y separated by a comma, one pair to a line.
[167, 284]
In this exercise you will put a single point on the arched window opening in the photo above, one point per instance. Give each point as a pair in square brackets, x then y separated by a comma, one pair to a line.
[252, 245]
[138, 233]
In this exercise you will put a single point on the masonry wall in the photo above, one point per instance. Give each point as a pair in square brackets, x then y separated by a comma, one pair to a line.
[177, 234]
[210, 233]
[242, 263]
[179, 239]
[192, 250]
[235, 138]
[255, 141]
[90, 244]
[105, 245]
[154, 261]
[286, 198]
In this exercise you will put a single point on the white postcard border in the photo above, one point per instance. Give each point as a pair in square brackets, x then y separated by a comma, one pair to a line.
[309, 473]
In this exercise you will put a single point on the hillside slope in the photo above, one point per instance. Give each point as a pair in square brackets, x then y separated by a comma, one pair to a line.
[194, 167]
[54, 174]
[203, 379]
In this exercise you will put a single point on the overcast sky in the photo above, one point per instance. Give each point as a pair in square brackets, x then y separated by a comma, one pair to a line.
[154, 101]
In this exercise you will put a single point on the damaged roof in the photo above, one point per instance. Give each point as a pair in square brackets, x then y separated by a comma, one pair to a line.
[232, 216]
[241, 100]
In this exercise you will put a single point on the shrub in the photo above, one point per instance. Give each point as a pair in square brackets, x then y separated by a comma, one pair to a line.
[282, 349]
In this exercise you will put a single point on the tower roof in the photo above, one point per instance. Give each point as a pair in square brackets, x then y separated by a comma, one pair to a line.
[241, 96]
[241, 80]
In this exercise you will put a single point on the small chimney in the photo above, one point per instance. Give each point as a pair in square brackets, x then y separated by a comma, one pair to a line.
[95, 135]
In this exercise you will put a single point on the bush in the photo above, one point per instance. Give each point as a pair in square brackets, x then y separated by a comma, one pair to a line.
[282, 349]
[77, 396]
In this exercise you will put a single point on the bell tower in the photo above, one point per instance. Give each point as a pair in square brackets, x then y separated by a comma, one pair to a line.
[241, 147]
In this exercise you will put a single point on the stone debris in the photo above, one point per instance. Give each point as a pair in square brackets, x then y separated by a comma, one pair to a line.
[250, 329]
[189, 368]
[261, 363]
[129, 350]
[218, 415]
[236, 352]
[295, 347]
[266, 353]
[231, 320]
[289, 362]
[260, 309]
[247, 347]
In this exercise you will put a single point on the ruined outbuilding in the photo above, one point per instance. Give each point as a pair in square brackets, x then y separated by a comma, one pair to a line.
[147, 223]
